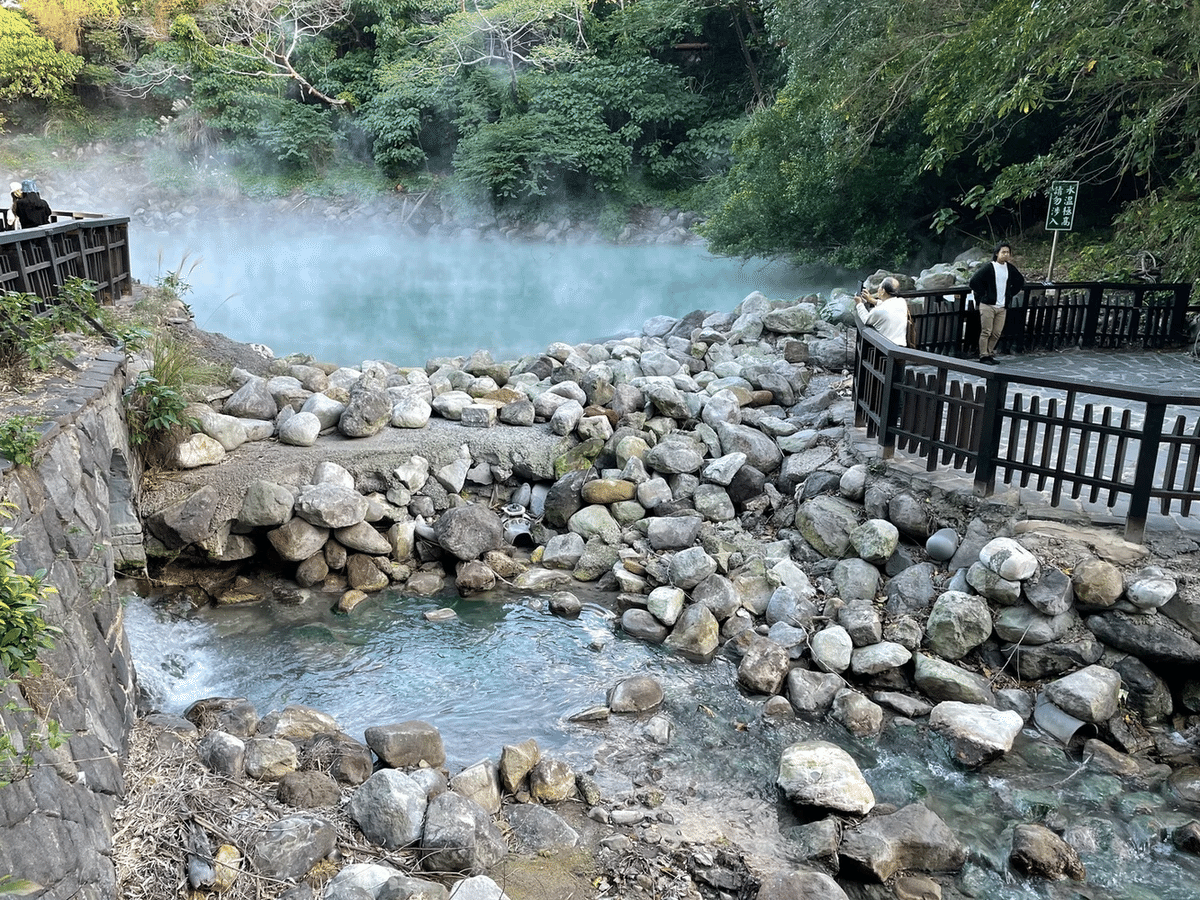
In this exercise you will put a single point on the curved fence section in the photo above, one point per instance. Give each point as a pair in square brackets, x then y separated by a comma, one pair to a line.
[79, 245]
[1131, 449]
[1056, 316]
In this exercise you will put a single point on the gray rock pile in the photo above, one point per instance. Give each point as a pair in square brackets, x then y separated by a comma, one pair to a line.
[700, 472]
[431, 834]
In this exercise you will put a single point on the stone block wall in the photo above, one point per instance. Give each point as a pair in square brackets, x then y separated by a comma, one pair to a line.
[76, 518]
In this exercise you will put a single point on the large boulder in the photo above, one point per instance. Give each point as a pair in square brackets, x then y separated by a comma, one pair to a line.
[761, 451]
[823, 775]
[1091, 694]
[266, 504]
[369, 408]
[827, 522]
[469, 531]
[800, 885]
[186, 522]
[914, 837]
[957, 624]
[407, 744]
[1038, 851]
[696, 635]
[460, 836]
[389, 808]
[288, 848]
[331, 505]
[977, 734]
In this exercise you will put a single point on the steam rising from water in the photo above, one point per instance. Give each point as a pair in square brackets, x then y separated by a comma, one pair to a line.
[348, 295]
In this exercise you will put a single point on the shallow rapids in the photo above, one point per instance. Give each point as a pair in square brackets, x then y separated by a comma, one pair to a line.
[505, 670]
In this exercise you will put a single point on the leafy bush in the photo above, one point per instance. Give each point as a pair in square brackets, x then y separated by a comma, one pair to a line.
[299, 137]
[23, 634]
[23, 631]
[156, 403]
[31, 67]
[19, 437]
[154, 409]
[29, 324]
[25, 342]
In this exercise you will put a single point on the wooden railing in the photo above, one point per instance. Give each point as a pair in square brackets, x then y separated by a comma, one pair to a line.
[1063, 435]
[79, 245]
[1054, 316]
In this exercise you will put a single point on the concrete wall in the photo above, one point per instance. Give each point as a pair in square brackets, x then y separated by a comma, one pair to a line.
[76, 519]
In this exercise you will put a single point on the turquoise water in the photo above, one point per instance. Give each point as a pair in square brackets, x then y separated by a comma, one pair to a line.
[405, 300]
[506, 670]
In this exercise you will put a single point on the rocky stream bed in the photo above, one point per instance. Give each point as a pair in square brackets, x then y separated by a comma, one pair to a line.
[704, 475]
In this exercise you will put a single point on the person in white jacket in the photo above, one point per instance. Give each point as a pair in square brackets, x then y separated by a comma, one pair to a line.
[885, 312]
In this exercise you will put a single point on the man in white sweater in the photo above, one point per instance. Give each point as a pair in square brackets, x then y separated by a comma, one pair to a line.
[995, 285]
[886, 313]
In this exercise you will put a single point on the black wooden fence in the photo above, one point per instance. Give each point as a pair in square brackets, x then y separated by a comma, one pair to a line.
[1062, 435]
[1051, 317]
[79, 245]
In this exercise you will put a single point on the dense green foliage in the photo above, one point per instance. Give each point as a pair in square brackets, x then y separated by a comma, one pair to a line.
[19, 438]
[156, 404]
[31, 69]
[858, 133]
[958, 114]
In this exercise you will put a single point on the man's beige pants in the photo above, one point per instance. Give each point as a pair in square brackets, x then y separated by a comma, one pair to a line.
[991, 326]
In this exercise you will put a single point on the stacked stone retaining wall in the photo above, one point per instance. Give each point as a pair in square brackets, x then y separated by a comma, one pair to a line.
[75, 517]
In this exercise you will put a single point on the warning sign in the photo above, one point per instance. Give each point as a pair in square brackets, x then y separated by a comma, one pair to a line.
[1060, 214]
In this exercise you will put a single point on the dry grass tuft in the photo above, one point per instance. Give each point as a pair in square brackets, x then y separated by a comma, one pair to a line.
[167, 787]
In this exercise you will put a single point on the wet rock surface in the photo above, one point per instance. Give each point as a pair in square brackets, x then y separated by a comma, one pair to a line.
[697, 500]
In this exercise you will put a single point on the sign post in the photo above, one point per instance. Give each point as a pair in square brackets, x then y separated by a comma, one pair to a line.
[1060, 214]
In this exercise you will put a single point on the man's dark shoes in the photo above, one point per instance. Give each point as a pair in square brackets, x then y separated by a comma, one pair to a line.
[990, 360]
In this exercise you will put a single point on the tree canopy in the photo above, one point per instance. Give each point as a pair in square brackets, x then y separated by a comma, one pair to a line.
[970, 109]
[30, 66]
[857, 133]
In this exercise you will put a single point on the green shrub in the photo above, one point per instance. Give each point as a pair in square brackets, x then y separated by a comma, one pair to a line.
[23, 634]
[154, 409]
[17, 314]
[19, 437]
[23, 631]
[77, 304]
[156, 403]
[28, 325]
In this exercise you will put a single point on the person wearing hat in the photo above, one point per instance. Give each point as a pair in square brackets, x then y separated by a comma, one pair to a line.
[30, 209]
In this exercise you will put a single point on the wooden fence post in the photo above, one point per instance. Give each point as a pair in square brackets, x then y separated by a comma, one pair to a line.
[1091, 320]
[889, 405]
[989, 436]
[1143, 478]
[1183, 296]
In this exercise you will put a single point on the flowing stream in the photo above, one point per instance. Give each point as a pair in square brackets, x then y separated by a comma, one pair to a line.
[506, 670]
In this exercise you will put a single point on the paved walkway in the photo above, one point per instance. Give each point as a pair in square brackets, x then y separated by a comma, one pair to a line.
[1174, 370]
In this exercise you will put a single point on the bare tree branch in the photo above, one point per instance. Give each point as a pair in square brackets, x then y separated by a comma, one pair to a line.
[271, 32]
